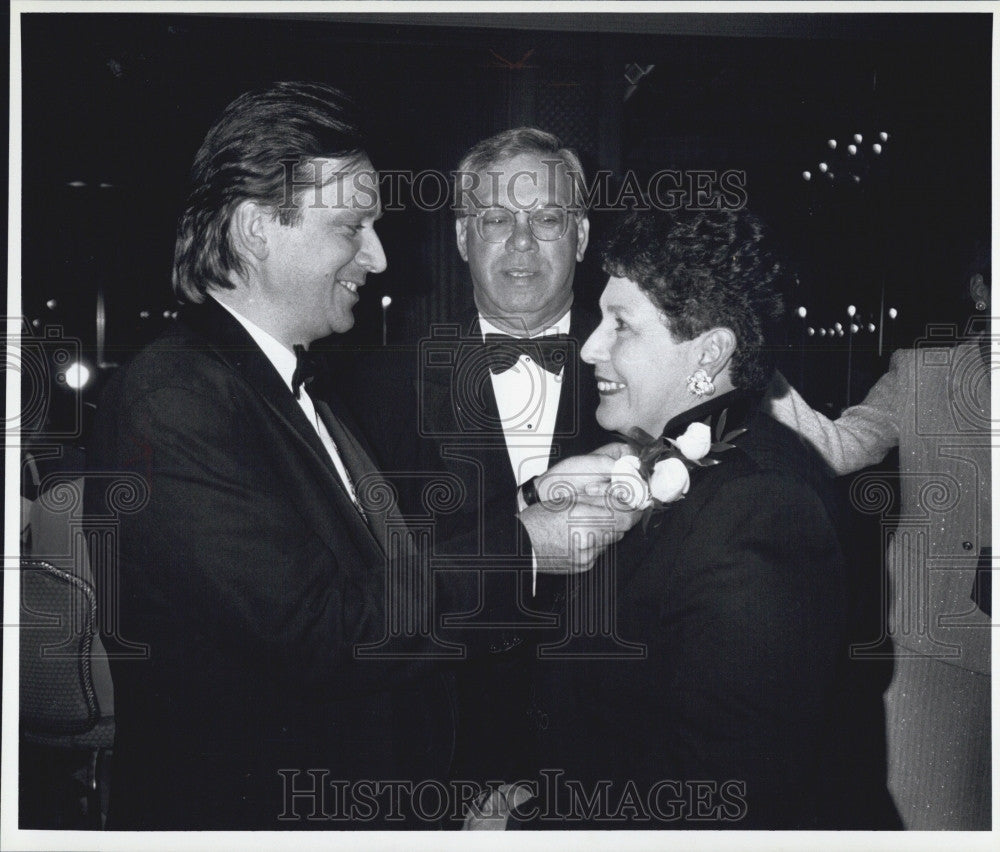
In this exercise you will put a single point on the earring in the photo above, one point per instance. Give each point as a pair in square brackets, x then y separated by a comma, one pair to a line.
[980, 306]
[700, 384]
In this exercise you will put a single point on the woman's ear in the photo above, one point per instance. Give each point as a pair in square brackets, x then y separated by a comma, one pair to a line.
[715, 350]
[249, 230]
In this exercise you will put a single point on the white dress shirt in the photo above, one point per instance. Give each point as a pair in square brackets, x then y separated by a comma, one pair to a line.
[284, 362]
[527, 400]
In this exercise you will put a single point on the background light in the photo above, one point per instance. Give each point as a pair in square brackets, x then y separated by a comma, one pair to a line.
[832, 143]
[52, 304]
[807, 175]
[877, 148]
[884, 136]
[386, 301]
[77, 375]
[801, 312]
[851, 310]
[871, 326]
[811, 331]
[858, 138]
[852, 149]
[854, 328]
[893, 313]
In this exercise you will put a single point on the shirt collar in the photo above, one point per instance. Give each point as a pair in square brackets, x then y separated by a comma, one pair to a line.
[560, 326]
[277, 353]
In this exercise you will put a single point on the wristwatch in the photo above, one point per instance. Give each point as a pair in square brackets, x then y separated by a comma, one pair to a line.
[529, 493]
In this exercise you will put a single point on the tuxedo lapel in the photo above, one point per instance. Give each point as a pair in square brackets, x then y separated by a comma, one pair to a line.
[461, 402]
[474, 375]
[371, 487]
[458, 411]
[458, 406]
[490, 453]
[454, 391]
[234, 346]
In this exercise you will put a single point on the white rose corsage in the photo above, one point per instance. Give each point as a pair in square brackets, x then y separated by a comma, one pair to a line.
[658, 470]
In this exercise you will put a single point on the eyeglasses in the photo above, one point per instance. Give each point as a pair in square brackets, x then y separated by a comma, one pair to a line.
[496, 224]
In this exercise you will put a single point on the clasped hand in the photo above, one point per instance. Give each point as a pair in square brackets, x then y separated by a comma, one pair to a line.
[577, 517]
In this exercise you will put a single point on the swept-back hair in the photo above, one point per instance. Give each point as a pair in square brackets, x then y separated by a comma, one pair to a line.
[245, 156]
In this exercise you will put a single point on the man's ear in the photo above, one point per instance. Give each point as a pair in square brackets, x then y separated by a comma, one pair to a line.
[249, 229]
[715, 350]
[461, 235]
[582, 236]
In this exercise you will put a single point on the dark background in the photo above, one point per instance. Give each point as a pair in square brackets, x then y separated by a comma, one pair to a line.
[114, 107]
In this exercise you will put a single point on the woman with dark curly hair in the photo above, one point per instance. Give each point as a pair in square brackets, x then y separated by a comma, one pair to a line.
[704, 656]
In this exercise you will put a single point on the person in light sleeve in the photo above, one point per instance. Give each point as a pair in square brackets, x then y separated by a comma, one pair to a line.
[933, 403]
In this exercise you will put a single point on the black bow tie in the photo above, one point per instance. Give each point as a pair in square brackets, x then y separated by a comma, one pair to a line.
[503, 351]
[308, 367]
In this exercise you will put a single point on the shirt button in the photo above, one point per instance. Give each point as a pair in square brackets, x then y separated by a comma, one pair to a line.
[967, 545]
[529, 425]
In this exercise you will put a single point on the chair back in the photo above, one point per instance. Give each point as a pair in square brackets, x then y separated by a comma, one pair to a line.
[58, 619]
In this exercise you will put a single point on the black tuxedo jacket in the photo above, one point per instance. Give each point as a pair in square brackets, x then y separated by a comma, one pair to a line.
[429, 409]
[717, 704]
[430, 406]
[251, 579]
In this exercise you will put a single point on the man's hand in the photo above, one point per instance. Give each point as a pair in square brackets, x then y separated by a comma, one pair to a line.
[580, 479]
[567, 537]
[576, 519]
[492, 814]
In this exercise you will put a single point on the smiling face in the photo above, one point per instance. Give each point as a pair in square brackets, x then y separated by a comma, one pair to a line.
[311, 271]
[640, 367]
[523, 284]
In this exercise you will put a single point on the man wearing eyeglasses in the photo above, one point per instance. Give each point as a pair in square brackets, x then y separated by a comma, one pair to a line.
[521, 230]
[501, 398]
